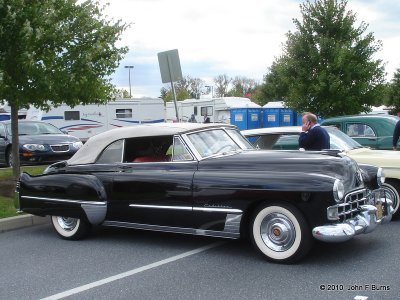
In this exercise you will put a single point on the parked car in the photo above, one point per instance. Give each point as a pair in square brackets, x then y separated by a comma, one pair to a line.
[207, 179]
[374, 131]
[39, 143]
[286, 138]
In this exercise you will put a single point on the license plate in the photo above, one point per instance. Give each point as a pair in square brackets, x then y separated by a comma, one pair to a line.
[379, 211]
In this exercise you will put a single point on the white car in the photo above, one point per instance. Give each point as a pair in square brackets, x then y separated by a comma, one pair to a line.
[286, 138]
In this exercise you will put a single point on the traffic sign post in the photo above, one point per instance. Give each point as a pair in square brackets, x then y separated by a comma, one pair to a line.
[170, 69]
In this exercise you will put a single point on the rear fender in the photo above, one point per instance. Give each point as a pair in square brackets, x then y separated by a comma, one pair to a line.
[68, 195]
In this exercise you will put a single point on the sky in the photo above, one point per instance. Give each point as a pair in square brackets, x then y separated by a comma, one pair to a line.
[232, 37]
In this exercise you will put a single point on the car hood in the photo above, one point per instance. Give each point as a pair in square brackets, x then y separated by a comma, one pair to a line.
[303, 163]
[381, 158]
[48, 139]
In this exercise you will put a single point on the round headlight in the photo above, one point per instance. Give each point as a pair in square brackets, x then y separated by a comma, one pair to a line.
[34, 147]
[380, 176]
[338, 190]
[77, 145]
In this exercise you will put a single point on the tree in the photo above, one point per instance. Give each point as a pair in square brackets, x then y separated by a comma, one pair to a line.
[54, 52]
[275, 86]
[125, 94]
[196, 87]
[222, 83]
[327, 65]
[393, 93]
[185, 88]
[242, 87]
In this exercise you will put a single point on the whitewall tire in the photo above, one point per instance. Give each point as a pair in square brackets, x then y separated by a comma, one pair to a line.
[70, 228]
[280, 233]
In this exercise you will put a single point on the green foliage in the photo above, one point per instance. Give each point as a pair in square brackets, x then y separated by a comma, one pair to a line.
[242, 87]
[327, 65]
[57, 51]
[185, 88]
[393, 93]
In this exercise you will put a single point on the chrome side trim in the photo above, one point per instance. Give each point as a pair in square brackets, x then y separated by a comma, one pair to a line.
[192, 231]
[188, 208]
[217, 209]
[65, 200]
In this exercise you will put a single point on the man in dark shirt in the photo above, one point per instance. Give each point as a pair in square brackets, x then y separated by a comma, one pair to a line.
[313, 136]
[396, 135]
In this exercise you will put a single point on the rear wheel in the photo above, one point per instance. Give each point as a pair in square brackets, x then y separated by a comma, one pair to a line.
[70, 228]
[392, 188]
[280, 233]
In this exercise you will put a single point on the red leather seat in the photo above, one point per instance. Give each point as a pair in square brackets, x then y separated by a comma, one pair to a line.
[157, 158]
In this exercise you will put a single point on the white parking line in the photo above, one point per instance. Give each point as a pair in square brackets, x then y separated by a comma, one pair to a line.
[130, 273]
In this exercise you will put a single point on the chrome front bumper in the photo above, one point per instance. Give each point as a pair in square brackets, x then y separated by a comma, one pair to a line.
[364, 222]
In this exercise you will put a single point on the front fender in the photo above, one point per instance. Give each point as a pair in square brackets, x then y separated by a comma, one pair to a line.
[369, 174]
[69, 195]
[264, 180]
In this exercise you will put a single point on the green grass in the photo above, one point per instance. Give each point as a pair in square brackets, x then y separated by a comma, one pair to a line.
[7, 208]
[6, 173]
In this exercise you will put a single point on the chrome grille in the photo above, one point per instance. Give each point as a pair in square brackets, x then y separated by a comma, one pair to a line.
[60, 148]
[352, 202]
[351, 205]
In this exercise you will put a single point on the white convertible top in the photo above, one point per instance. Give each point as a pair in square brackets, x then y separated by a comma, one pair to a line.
[95, 145]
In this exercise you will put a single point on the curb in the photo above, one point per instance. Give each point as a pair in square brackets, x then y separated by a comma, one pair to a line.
[17, 222]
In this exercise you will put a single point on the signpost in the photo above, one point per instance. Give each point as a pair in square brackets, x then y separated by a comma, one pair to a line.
[170, 68]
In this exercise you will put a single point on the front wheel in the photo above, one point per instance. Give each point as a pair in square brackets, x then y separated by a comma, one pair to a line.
[70, 228]
[280, 233]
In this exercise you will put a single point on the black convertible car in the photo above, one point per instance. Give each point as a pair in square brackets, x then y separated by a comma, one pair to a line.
[206, 179]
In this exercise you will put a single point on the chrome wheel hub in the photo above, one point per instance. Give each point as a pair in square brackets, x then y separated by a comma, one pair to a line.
[277, 232]
[67, 224]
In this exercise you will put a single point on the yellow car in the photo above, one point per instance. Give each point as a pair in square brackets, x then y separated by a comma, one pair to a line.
[286, 138]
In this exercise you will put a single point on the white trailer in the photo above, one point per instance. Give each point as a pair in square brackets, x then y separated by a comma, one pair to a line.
[197, 110]
[84, 121]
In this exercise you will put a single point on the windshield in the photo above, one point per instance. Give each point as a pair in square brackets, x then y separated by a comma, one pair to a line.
[341, 141]
[240, 139]
[213, 142]
[34, 128]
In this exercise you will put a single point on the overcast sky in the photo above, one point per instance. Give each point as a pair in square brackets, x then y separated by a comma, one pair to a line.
[233, 37]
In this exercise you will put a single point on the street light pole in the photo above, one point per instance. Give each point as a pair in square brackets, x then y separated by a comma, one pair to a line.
[130, 91]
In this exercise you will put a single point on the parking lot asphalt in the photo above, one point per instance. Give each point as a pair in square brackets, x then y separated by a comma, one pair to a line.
[17, 222]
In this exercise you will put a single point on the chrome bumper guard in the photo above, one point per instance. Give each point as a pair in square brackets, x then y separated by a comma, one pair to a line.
[376, 210]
